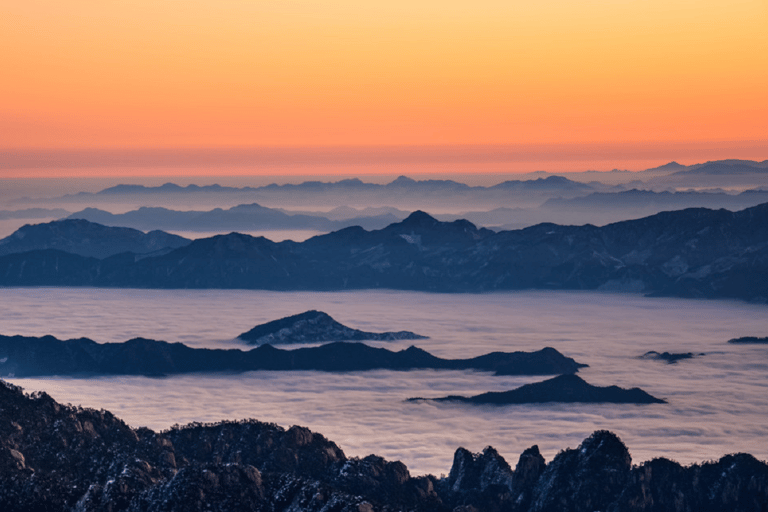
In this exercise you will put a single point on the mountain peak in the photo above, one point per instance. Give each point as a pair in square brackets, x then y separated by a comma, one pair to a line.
[419, 218]
[403, 180]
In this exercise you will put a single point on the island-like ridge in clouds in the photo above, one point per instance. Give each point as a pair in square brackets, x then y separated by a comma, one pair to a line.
[750, 340]
[563, 389]
[26, 356]
[313, 326]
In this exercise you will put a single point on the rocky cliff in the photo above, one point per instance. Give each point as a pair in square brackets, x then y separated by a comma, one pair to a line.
[56, 457]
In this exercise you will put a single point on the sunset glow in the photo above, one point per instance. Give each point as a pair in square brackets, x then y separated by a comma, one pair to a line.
[235, 73]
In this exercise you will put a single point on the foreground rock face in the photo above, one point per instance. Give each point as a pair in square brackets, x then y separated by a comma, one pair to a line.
[313, 326]
[563, 389]
[61, 458]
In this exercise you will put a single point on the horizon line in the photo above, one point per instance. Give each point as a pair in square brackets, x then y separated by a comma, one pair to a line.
[243, 156]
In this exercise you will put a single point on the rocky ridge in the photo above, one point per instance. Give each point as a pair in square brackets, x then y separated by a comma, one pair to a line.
[56, 457]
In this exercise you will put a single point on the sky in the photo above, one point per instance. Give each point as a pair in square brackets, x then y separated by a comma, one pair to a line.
[545, 85]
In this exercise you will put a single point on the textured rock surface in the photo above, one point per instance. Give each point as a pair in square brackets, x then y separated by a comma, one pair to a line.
[313, 326]
[55, 457]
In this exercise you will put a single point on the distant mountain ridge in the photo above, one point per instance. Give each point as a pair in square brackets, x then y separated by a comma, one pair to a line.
[402, 184]
[689, 253]
[244, 217]
[33, 213]
[645, 199]
[88, 239]
[671, 173]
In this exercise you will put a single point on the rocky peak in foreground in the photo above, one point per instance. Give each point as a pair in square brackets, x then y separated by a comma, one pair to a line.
[56, 457]
[313, 326]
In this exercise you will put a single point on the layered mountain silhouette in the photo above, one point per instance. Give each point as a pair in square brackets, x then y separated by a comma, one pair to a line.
[88, 239]
[24, 356]
[244, 217]
[313, 326]
[689, 253]
[402, 184]
[33, 213]
[58, 458]
[563, 389]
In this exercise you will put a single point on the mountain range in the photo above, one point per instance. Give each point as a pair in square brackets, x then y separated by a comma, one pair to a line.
[688, 253]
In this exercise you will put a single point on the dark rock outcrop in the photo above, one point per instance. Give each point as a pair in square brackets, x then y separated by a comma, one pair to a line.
[56, 457]
[313, 326]
[24, 356]
[669, 357]
[586, 479]
[563, 388]
[749, 340]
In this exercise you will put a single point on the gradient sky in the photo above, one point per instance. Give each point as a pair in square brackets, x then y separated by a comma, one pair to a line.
[87, 74]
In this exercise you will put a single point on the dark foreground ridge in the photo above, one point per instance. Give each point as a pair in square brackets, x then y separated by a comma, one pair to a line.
[750, 340]
[56, 457]
[23, 356]
[312, 326]
[688, 253]
[563, 388]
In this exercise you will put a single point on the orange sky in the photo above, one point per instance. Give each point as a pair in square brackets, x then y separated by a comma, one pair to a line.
[85, 74]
